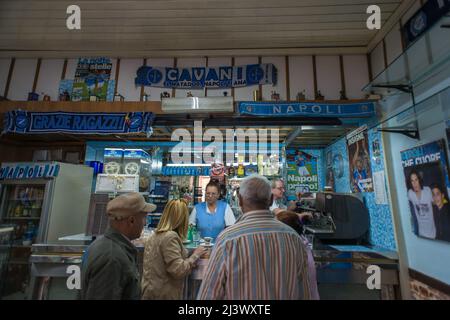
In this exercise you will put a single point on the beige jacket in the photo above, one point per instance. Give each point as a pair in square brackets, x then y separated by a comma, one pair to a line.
[165, 267]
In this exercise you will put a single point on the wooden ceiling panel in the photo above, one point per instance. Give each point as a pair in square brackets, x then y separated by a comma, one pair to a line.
[180, 27]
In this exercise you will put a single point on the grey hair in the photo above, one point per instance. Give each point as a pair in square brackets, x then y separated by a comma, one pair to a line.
[274, 182]
[256, 189]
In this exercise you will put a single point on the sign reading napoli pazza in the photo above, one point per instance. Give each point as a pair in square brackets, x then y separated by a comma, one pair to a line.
[206, 77]
[77, 123]
[308, 109]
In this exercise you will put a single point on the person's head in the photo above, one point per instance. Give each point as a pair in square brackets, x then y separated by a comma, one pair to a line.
[278, 189]
[175, 217]
[415, 181]
[291, 219]
[212, 192]
[438, 195]
[255, 193]
[128, 213]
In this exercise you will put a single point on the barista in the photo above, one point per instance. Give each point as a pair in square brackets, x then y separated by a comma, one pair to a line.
[213, 215]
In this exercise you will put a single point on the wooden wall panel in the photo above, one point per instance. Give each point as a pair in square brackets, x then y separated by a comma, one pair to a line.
[301, 76]
[4, 70]
[356, 75]
[126, 86]
[328, 76]
[22, 79]
[49, 78]
[188, 63]
[280, 87]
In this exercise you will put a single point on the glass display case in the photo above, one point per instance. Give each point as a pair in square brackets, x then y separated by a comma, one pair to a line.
[21, 209]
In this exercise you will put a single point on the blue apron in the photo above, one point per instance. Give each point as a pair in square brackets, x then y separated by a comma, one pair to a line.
[210, 225]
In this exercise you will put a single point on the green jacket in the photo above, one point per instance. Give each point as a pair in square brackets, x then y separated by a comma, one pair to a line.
[110, 270]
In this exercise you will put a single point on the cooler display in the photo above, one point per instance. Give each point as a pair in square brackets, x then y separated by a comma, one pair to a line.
[42, 202]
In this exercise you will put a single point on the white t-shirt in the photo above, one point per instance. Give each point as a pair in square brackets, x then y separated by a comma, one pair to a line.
[229, 216]
[277, 205]
[423, 209]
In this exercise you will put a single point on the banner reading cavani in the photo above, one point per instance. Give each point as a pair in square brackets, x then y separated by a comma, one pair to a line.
[206, 77]
[77, 123]
[302, 172]
[359, 161]
[309, 109]
[427, 183]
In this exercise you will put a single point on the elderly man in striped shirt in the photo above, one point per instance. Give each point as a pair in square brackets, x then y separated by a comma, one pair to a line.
[259, 257]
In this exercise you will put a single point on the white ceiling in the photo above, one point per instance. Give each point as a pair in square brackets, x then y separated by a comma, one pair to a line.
[162, 28]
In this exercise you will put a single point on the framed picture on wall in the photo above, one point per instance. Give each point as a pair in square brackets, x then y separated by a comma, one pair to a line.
[427, 181]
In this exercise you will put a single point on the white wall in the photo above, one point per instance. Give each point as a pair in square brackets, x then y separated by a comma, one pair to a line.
[280, 87]
[356, 75]
[430, 257]
[393, 43]
[155, 93]
[127, 74]
[245, 93]
[49, 77]
[377, 60]
[190, 62]
[301, 76]
[22, 79]
[328, 72]
[4, 70]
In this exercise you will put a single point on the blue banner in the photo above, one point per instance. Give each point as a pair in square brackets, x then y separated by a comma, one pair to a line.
[10, 171]
[206, 77]
[186, 171]
[308, 109]
[424, 19]
[77, 123]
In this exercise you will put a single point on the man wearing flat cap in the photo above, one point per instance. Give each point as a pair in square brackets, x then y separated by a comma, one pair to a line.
[109, 268]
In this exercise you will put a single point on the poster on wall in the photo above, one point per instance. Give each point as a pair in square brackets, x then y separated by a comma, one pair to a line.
[359, 161]
[427, 182]
[302, 173]
[91, 79]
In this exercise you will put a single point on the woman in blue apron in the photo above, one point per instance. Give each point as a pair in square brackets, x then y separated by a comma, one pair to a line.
[213, 215]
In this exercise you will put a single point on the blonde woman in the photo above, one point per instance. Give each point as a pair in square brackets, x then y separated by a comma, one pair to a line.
[166, 262]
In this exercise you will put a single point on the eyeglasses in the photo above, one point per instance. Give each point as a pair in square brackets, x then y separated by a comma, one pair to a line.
[211, 194]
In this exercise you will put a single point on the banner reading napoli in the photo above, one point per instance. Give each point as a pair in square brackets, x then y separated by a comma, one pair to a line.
[206, 77]
[91, 79]
[427, 184]
[77, 123]
[302, 172]
[359, 161]
[309, 109]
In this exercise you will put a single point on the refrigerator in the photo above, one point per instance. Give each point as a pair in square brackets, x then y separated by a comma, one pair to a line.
[42, 202]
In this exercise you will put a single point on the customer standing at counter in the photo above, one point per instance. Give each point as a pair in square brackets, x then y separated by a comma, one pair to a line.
[293, 220]
[213, 215]
[109, 267]
[278, 191]
[258, 258]
[165, 259]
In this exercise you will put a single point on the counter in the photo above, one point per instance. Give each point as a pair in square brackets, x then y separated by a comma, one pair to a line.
[341, 271]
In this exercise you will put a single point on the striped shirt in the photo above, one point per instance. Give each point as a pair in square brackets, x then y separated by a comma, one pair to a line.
[258, 258]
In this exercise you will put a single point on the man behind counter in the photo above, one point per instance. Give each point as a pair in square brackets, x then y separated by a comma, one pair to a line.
[278, 191]
[109, 267]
